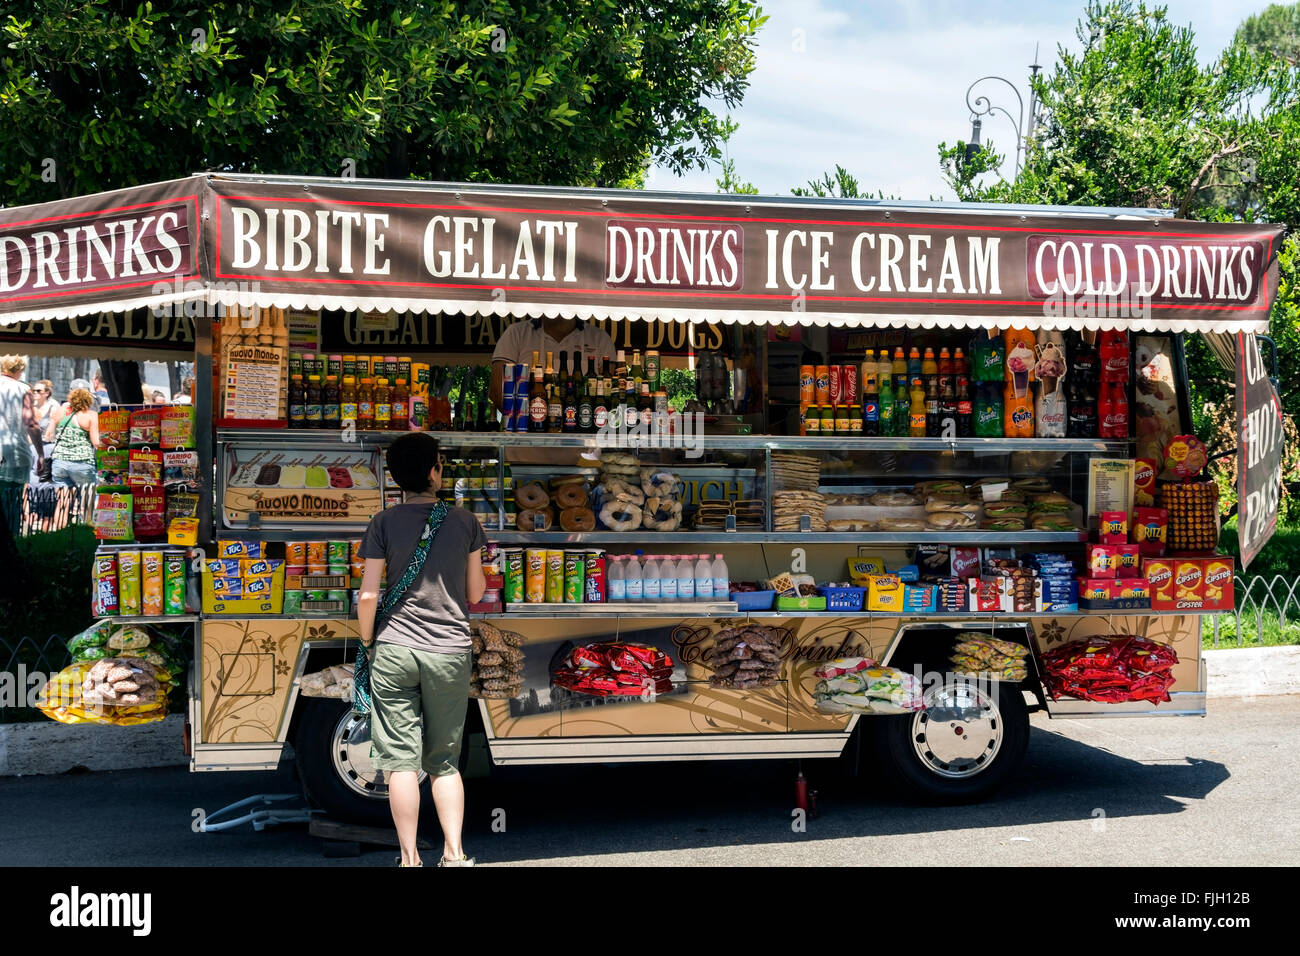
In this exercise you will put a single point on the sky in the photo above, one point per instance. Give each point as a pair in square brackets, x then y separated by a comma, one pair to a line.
[876, 85]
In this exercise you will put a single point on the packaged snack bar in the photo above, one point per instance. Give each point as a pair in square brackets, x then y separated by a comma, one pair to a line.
[965, 562]
[861, 568]
[145, 428]
[176, 427]
[151, 583]
[128, 582]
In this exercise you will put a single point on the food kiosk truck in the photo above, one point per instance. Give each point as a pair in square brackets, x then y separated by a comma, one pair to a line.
[1036, 534]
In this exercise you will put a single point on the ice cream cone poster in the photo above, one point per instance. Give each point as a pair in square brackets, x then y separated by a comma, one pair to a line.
[1050, 409]
[1020, 359]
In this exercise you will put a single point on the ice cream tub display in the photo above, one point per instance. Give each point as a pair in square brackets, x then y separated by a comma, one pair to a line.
[286, 488]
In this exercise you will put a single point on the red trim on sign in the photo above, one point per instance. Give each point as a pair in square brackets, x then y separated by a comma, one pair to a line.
[102, 212]
[86, 290]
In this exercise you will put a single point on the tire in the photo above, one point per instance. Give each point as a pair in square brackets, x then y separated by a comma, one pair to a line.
[989, 736]
[333, 762]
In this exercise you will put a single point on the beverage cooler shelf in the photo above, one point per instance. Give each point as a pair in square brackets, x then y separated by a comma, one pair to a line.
[897, 538]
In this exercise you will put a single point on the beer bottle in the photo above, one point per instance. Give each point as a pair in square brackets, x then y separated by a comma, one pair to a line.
[600, 407]
[569, 409]
[586, 394]
[537, 399]
[554, 408]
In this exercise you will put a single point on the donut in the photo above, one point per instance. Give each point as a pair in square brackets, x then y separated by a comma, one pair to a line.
[535, 519]
[578, 519]
[531, 497]
[571, 495]
[620, 516]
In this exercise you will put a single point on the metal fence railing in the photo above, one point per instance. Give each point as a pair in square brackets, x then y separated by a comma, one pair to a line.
[29, 662]
[1265, 607]
[38, 508]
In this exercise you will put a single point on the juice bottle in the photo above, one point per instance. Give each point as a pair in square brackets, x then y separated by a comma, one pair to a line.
[916, 410]
[297, 402]
[929, 367]
[401, 420]
[330, 402]
[366, 404]
[383, 404]
[914, 364]
[869, 384]
[884, 369]
[898, 369]
[945, 370]
[312, 412]
[348, 400]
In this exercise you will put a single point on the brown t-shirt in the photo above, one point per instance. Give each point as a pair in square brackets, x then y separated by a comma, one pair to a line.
[432, 615]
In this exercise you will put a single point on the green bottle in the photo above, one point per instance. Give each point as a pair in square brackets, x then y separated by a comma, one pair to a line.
[886, 403]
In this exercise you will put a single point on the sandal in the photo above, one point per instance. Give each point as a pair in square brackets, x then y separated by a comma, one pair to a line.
[463, 861]
[399, 862]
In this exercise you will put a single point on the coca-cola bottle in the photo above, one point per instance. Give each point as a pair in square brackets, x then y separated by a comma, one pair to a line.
[1113, 411]
[1081, 390]
[1113, 353]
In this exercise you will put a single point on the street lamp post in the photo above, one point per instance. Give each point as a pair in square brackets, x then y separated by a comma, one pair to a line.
[982, 106]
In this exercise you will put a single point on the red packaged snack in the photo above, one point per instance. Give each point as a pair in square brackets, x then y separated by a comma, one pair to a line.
[1103, 561]
[1112, 527]
[144, 468]
[589, 656]
[114, 428]
[985, 594]
[1218, 583]
[1144, 482]
[1147, 656]
[148, 520]
[965, 562]
[146, 428]
[1159, 573]
[1150, 530]
[638, 658]
[1129, 561]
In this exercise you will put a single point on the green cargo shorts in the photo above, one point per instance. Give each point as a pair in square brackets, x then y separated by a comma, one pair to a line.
[420, 698]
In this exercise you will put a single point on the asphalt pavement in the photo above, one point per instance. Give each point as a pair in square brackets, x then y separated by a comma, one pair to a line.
[1175, 791]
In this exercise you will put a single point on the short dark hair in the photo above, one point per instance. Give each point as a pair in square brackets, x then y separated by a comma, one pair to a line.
[410, 458]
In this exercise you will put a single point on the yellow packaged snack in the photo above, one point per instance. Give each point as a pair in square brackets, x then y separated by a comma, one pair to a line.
[861, 568]
[884, 592]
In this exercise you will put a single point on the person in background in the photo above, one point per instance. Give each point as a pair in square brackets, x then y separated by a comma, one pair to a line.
[100, 393]
[523, 338]
[17, 430]
[419, 675]
[158, 398]
[186, 396]
[60, 412]
[43, 406]
[76, 437]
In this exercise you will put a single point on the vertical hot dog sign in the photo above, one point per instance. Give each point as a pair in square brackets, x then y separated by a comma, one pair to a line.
[1259, 450]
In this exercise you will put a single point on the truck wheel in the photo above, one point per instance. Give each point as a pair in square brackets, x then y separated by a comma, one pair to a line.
[333, 748]
[967, 742]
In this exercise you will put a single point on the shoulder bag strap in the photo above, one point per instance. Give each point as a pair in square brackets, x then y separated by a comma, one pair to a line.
[397, 590]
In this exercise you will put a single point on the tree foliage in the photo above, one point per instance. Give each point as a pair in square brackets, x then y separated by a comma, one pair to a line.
[570, 92]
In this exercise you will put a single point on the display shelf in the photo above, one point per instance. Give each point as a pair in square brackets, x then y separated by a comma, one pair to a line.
[619, 609]
[150, 618]
[712, 442]
[899, 538]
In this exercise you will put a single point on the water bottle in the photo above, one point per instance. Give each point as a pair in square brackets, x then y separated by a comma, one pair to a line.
[614, 582]
[632, 580]
[650, 584]
[703, 579]
[721, 579]
[668, 579]
[686, 578]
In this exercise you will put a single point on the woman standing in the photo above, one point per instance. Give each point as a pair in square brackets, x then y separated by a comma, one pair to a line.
[43, 406]
[17, 424]
[76, 436]
[420, 669]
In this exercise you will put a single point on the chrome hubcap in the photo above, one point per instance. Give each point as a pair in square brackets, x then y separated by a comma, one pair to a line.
[959, 733]
[350, 748]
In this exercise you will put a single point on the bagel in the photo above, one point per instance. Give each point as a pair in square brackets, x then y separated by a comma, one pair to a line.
[656, 483]
[535, 519]
[571, 495]
[561, 480]
[530, 497]
[617, 490]
[621, 516]
[662, 514]
[578, 519]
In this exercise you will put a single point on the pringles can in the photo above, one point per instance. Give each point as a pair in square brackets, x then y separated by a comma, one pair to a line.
[575, 563]
[128, 582]
[594, 572]
[173, 582]
[105, 599]
[554, 577]
[513, 572]
[535, 575]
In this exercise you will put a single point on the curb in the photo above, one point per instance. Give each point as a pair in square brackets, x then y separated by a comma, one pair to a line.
[1250, 672]
[48, 747]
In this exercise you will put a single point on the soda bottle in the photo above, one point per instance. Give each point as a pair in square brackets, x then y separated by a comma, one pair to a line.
[965, 407]
[884, 370]
[885, 415]
[1114, 355]
[871, 405]
[932, 406]
[1018, 412]
[988, 410]
[898, 369]
[916, 409]
[947, 405]
[929, 368]
[870, 383]
[1113, 411]
[914, 364]
[945, 371]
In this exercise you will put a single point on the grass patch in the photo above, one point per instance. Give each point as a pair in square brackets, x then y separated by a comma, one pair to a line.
[1258, 629]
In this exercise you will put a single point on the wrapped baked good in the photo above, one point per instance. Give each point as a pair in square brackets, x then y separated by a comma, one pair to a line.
[894, 499]
[950, 520]
[952, 503]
